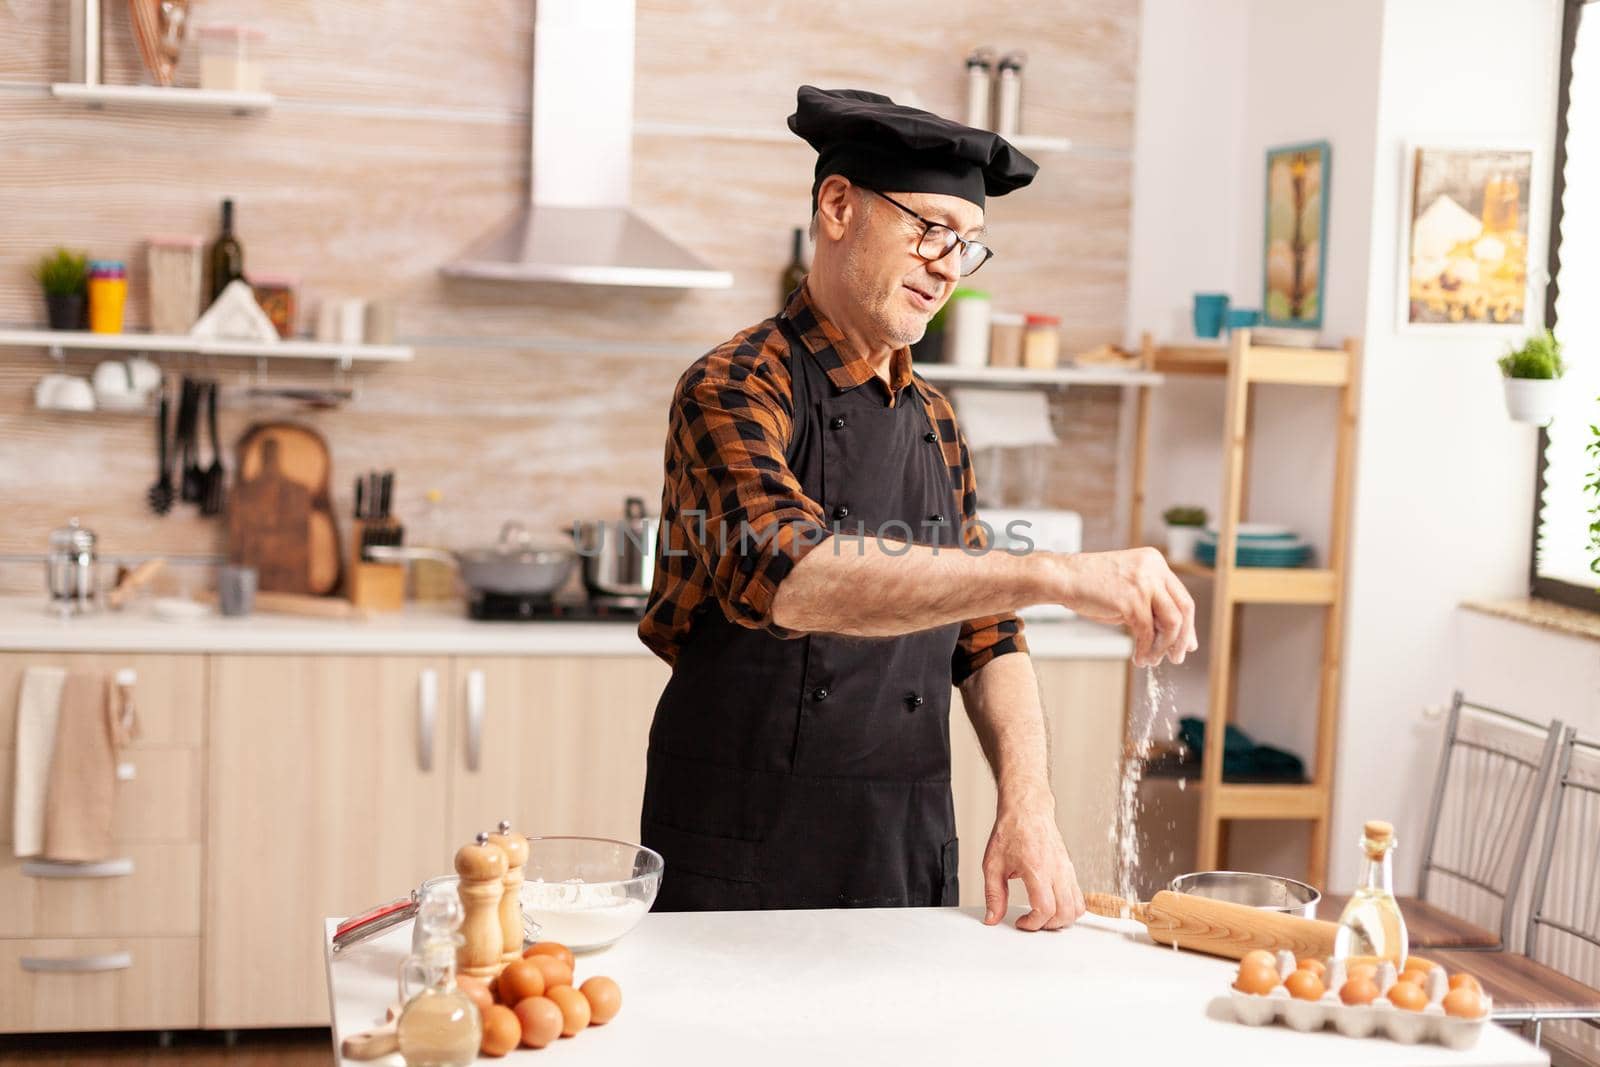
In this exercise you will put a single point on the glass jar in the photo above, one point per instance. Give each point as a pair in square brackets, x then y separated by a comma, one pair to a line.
[439, 1026]
[174, 262]
[108, 295]
[1041, 342]
[230, 59]
[1005, 339]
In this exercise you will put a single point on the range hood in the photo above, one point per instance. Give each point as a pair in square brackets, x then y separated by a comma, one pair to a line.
[577, 226]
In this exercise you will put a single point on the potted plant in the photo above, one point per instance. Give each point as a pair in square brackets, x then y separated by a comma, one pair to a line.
[64, 277]
[1530, 374]
[1183, 530]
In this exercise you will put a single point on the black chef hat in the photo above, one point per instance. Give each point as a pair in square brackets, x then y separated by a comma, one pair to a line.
[880, 144]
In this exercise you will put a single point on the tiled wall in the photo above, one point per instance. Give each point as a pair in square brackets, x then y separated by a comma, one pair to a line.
[400, 134]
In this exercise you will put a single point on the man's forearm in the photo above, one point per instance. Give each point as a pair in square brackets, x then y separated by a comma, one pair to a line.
[870, 587]
[1002, 700]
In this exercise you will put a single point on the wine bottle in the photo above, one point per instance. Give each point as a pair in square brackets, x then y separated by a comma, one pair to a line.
[227, 254]
[795, 272]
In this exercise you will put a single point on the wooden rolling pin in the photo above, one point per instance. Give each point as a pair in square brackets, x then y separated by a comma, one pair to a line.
[1218, 927]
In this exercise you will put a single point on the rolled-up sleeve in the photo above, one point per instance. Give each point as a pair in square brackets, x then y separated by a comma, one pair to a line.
[743, 515]
[986, 637]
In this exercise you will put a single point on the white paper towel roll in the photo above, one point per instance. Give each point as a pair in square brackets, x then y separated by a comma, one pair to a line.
[997, 418]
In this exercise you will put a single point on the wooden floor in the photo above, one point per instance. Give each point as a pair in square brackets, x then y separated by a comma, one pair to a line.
[253, 1048]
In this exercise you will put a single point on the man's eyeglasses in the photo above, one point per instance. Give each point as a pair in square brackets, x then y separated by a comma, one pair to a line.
[939, 240]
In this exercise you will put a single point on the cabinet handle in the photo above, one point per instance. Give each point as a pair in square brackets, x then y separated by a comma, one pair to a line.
[475, 701]
[427, 716]
[118, 868]
[111, 961]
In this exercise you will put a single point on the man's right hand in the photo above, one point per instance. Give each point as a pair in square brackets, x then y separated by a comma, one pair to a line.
[1136, 588]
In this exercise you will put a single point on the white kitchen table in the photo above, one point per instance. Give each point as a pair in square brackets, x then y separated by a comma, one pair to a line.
[903, 987]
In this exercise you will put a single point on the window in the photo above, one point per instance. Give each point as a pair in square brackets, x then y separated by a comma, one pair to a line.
[1562, 552]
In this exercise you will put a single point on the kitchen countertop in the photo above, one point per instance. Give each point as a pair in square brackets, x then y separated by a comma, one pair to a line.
[911, 986]
[28, 625]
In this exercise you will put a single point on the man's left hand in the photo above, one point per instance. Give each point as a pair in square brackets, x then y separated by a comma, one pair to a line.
[1026, 844]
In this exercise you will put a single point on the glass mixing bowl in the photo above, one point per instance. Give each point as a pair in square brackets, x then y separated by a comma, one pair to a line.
[585, 892]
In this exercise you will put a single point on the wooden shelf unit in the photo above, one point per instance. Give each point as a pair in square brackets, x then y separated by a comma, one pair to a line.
[1242, 364]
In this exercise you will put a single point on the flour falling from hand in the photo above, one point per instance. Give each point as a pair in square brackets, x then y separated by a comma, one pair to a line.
[1124, 833]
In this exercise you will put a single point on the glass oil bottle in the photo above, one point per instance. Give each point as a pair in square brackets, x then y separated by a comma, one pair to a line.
[439, 1025]
[1371, 924]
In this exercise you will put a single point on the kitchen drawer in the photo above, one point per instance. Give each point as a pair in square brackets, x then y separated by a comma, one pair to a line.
[160, 896]
[160, 803]
[170, 693]
[148, 983]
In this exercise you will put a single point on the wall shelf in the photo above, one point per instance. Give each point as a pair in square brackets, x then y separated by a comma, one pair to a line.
[1040, 143]
[1057, 377]
[162, 97]
[59, 341]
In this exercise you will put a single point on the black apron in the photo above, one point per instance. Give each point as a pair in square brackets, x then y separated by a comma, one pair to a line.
[815, 772]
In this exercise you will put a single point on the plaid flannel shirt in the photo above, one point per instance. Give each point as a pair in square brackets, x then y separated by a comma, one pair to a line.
[726, 476]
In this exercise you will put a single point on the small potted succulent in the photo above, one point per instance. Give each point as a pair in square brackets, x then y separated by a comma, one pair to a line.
[64, 277]
[1531, 374]
[1183, 530]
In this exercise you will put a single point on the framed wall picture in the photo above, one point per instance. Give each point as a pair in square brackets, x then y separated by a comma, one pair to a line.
[1297, 218]
[1464, 264]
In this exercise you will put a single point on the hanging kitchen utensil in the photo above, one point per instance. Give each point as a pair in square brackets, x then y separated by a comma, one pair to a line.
[160, 495]
[159, 27]
[215, 476]
[190, 478]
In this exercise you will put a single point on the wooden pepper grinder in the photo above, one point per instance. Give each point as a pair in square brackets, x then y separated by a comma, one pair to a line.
[515, 846]
[482, 871]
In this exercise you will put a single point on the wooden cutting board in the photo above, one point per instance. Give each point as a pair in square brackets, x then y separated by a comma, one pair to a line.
[280, 511]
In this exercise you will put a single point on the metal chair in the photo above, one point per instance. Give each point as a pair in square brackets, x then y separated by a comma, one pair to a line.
[1486, 795]
[1562, 943]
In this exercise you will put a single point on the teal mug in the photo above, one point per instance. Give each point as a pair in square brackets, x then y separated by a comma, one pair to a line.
[1210, 310]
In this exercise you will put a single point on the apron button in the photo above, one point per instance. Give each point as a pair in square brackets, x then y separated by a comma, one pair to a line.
[936, 519]
[931, 437]
[820, 693]
[913, 700]
[837, 422]
[841, 512]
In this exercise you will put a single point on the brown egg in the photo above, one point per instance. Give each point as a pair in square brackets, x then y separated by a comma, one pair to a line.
[1408, 996]
[1259, 958]
[574, 1009]
[1463, 1002]
[1316, 967]
[604, 997]
[1369, 971]
[541, 1021]
[520, 980]
[553, 948]
[556, 972]
[1359, 990]
[1462, 978]
[501, 1031]
[1305, 985]
[1256, 978]
[478, 990]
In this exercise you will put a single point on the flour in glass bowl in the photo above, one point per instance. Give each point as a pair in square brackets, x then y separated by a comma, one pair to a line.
[579, 915]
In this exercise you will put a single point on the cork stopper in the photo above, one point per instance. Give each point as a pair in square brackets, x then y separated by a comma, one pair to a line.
[1378, 837]
[481, 861]
[513, 844]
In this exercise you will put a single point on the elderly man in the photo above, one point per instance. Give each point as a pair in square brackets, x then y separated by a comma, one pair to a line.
[821, 581]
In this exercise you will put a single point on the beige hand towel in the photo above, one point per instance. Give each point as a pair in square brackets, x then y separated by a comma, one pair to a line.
[37, 708]
[83, 774]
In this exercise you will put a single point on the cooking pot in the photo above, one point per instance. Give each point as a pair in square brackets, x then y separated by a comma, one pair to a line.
[514, 564]
[619, 555]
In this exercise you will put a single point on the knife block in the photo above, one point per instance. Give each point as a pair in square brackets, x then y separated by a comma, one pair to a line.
[374, 586]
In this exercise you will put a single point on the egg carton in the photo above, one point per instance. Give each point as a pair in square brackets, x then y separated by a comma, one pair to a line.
[1378, 1019]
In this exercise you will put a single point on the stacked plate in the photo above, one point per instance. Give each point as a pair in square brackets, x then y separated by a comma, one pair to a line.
[1260, 545]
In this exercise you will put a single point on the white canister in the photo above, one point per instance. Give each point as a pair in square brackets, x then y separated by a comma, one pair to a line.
[966, 328]
[980, 79]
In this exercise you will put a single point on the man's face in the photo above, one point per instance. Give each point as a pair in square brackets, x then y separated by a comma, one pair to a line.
[897, 290]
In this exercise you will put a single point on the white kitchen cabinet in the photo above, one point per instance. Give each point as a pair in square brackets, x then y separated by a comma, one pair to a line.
[326, 794]
[1083, 708]
[556, 744]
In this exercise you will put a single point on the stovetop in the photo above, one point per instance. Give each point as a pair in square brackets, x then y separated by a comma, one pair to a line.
[509, 607]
